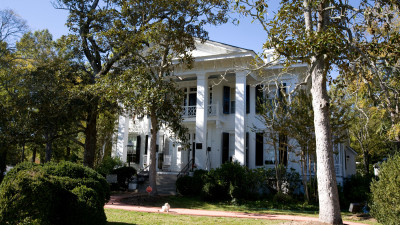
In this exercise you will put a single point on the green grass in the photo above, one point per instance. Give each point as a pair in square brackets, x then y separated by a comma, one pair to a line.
[263, 206]
[122, 217]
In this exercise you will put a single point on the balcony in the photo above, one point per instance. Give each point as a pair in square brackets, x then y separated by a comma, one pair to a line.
[190, 111]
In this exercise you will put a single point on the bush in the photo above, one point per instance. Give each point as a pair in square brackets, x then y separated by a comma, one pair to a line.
[124, 175]
[107, 165]
[191, 186]
[230, 182]
[282, 198]
[386, 192]
[355, 189]
[64, 193]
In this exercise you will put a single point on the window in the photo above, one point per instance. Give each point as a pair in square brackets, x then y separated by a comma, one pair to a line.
[225, 147]
[133, 148]
[228, 101]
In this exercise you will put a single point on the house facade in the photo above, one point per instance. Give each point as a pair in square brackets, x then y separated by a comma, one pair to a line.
[221, 115]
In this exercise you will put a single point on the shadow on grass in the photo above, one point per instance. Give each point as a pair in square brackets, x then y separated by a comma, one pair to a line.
[118, 223]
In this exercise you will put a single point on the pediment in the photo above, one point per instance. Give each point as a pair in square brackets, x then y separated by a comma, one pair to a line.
[213, 48]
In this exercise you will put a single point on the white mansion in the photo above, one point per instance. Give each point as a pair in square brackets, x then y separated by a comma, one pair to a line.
[220, 113]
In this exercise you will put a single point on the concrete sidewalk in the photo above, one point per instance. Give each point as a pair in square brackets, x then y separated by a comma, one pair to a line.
[115, 203]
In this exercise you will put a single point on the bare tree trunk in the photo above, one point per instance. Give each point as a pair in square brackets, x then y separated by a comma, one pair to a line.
[329, 208]
[153, 162]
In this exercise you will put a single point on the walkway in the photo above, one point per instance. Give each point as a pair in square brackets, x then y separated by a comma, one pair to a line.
[115, 203]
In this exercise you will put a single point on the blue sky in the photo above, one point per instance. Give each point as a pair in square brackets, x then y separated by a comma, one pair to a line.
[40, 14]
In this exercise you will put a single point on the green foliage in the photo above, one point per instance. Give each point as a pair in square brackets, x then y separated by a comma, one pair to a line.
[53, 194]
[108, 164]
[386, 192]
[184, 185]
[236, 183]
[355, 189]
[124, 174]
[282, 198]
[191, 185]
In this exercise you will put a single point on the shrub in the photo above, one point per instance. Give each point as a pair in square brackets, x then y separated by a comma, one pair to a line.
[66, 193]
[184, 185]
[124, 174]
[355, 189]
[191, 186]
[282, 198]
[230, 182]
[386, 192]
[107, 165]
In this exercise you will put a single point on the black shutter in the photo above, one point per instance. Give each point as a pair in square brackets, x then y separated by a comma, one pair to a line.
[259, 97]
[146, 144]
[138, 140]
[259, 149]
[226, 100]
[247, 98]
[225, 147]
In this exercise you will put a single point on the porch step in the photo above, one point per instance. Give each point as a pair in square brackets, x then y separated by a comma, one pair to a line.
[165, 184]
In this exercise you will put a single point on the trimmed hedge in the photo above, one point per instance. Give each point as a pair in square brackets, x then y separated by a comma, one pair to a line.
[124, 174]
[386, 193]
[64, 193]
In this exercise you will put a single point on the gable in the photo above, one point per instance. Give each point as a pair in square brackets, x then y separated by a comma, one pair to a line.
[213, 48]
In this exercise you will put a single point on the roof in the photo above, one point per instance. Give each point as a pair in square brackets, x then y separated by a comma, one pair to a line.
[213, 48]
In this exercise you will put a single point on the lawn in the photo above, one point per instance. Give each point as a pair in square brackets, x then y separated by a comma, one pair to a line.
[264, 206]
[122, 217]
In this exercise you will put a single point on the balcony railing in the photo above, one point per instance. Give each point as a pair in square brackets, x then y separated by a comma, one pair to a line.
[190, 111]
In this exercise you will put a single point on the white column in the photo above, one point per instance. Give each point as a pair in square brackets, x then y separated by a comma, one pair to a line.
[240, 112]
[122, 138]
[201, 121]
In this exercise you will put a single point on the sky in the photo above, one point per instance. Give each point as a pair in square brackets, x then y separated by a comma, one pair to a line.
[40, 14]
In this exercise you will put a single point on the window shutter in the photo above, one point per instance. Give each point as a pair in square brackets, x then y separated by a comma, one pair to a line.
[247, 99]
[226, 100]
[259, 149]
[138, 140]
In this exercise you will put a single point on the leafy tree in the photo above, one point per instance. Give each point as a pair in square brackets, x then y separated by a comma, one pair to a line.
[323, 34]
[146, 87]
[12, 26]
[368, 123]
[100, 38]
[44, 90]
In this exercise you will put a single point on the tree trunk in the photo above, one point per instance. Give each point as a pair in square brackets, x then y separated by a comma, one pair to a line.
[23, 152]
[3, 162]
[49, 149]
[304, 174]
[366, 161]
[33, 154]
[329, 208]
[91, 134]
[153, 162]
